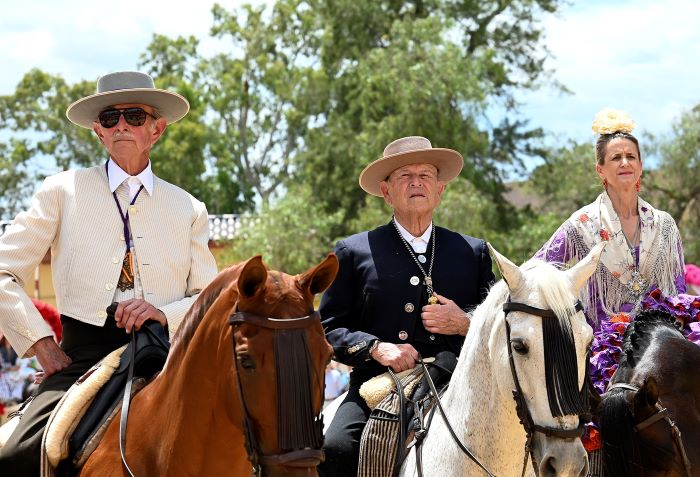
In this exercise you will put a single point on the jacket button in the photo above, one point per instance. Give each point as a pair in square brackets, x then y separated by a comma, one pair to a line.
[432, 337]
[115, 259]
[408, 307]
[414, 280]
[108, 286]
[101, 314]
[403, 335]
[133, 209]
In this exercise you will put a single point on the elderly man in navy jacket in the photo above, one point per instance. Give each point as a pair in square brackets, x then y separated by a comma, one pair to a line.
[403, 289]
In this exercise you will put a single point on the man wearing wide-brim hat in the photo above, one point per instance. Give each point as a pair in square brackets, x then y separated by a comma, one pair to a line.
[117, 233]
[402, 289]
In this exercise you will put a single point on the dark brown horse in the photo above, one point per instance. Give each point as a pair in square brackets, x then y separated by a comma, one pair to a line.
[242, 387]
[650, 415]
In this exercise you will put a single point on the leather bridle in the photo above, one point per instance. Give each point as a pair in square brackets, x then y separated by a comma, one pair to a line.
[520, 404]
[660, 414]
[311, 454]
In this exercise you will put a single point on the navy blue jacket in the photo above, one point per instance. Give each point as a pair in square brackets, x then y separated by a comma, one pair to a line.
[373, 298]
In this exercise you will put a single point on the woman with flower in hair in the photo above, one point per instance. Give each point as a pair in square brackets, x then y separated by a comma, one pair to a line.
[643, 251]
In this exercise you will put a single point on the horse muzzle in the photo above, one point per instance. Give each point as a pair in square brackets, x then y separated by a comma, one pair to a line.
[557, 457]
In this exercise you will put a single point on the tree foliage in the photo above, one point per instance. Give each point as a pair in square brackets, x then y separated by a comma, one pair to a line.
[305, 94]
[431, 68]
[674, 185]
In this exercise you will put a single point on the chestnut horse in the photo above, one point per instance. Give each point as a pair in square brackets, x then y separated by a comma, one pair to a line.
[650, 414]
[242, 389]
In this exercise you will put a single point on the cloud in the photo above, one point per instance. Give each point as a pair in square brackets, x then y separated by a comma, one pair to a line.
[633, 55]
[81, 39]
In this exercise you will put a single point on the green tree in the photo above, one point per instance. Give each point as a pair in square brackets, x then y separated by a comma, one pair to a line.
[567, 179]
[674, 185]
[41, 139]
[391, 69]
[290, 234]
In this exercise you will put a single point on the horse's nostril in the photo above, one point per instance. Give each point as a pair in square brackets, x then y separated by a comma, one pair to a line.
[584, 470]
[548, 467]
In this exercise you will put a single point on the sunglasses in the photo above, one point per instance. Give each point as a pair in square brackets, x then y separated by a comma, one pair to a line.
[133, 117]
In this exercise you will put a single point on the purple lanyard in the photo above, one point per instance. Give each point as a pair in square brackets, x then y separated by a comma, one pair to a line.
[124, 217]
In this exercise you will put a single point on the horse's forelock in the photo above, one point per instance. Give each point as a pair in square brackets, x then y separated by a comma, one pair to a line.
[561, 361]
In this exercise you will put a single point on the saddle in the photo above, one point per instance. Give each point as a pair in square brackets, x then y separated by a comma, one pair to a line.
[383, 445]
[150, 353]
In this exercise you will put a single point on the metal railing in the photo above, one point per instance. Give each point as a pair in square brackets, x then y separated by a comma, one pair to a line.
[221, 226]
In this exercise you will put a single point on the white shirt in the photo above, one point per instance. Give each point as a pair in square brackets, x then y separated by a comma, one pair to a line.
[117, 175]
[419, 244]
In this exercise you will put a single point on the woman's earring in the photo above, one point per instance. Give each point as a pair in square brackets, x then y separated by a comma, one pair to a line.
[605, 184]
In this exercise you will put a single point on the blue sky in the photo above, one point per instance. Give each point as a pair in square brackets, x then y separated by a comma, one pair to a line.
[637, 55]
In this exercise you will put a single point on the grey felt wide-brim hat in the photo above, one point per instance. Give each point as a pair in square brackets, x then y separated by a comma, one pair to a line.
[410, 150]
[127, 87]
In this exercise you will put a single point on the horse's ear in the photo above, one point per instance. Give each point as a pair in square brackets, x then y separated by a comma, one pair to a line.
[320, 277]
[510, 272]
[648, 394]
[579, 273]
[252, 278]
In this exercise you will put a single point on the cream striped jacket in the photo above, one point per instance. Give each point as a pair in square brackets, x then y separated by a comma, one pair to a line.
[74, 215]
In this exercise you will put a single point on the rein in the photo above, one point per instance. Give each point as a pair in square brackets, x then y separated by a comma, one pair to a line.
[660, 414]
[521, 408]
[311, 454]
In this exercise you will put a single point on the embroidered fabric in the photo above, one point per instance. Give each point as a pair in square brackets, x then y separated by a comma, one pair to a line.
[659, 257]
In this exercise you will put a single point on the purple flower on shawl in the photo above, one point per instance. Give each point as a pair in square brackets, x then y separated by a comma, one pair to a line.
[644, 209]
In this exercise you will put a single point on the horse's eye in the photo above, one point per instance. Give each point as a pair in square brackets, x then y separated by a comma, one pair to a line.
[247, 362]
[519, 346]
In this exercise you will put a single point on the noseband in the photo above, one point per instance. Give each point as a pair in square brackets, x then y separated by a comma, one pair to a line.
[309, 454]
[520, 404]
[661, 413]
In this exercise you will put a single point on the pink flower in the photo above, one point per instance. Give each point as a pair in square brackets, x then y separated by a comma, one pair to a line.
[604, 234]
[583, 218]
[616, 274]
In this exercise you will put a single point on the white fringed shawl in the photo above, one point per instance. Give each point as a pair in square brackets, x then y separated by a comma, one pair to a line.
[660, 253]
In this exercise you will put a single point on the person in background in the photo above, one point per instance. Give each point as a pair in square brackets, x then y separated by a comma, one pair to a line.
[692, 279]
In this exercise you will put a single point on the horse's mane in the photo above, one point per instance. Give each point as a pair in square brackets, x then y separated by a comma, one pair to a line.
[554, 291]
[640, 333]
[621, 446]
[199, 308]
[561, 364]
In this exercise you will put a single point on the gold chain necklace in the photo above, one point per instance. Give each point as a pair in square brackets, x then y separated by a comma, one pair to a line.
[428, 280]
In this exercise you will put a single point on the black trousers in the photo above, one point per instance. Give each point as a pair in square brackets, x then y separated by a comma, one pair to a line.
[342, 441]
[85, 345]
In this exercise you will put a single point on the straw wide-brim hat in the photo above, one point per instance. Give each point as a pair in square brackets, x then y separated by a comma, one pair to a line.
[410, 150]
[127, 87]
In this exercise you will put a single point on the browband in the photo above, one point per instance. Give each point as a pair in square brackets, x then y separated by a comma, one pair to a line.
[514, 306]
